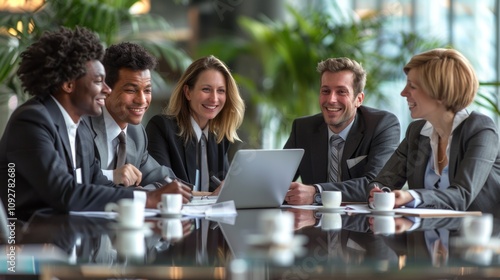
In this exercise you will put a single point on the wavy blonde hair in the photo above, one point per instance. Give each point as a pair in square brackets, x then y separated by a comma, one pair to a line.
[229, 119]
[446, 75]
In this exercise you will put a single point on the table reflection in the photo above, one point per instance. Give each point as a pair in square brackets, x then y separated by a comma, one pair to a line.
[322, 245]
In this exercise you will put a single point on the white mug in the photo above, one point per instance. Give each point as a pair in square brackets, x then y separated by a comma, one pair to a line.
[171, 229]
[170, 203]
[331, 221]
[477, 229]
[130, 212]
[331, 199]
[383, 201]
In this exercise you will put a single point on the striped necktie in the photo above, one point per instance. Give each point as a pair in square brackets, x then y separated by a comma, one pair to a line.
[336, 143]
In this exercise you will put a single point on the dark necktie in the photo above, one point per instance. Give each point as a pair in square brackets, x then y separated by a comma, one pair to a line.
[121, 153]
[204, 180]
[335, 146]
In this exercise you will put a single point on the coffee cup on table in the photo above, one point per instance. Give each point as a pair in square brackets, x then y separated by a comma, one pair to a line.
[331, 199]
[130, 213]
[170, 204]
[383, 201]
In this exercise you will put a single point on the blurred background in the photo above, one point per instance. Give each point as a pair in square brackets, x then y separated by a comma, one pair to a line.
[271, 46]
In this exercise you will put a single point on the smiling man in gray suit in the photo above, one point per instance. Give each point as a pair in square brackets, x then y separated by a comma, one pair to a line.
[128, 72]
[368, 137]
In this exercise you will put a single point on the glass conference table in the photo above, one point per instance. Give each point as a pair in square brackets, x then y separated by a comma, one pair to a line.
[231, 247]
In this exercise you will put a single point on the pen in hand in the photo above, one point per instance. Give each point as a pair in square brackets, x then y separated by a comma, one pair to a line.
[215, 180]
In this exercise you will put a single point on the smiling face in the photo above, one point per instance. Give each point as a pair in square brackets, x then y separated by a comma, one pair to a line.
[337, 99]
[130, 97]
[421, 105]
[207, 97]
[88, 92]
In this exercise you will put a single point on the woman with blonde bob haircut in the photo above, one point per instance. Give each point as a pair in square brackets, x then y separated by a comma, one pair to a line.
[450, 156]
[205, 102]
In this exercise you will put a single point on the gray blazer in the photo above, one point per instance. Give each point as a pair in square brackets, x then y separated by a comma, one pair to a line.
[474, 166]
[137, 153]
[371, 141]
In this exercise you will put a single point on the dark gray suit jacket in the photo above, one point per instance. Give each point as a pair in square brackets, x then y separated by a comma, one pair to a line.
[371, 141]
[36, 142]
[474, 166]
[137, 153]
[169, 149]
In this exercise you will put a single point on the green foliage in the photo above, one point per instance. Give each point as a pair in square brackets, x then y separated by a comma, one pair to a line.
[284, 56]
[111, 19]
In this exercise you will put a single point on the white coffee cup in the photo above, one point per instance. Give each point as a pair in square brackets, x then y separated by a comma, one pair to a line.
[383, 201]
[384, 225]
[171, 229]
[130, 245]
[331, 199]
[170, 203]
[277, 226]
[331, 221]
[477, 229]
[130, 212]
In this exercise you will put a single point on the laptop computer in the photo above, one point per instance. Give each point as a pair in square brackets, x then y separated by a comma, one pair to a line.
[259, 178]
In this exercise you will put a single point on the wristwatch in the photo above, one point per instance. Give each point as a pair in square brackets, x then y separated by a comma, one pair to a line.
[317, 196]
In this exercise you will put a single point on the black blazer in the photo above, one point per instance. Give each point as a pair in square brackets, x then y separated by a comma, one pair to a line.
[36, 142]
[371, 141]
[165, 145]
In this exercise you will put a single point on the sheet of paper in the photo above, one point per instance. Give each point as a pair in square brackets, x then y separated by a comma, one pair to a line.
[109, 215]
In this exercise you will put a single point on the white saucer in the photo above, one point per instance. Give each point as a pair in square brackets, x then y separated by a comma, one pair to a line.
[331, 209]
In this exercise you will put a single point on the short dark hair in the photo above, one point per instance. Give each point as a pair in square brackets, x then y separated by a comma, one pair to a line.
[57, 57]
[126, 55]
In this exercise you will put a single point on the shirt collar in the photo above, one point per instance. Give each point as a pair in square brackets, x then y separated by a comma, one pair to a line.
[460, 116]
[197, 129]
[112, 128]
[343, 134]
[70, 124]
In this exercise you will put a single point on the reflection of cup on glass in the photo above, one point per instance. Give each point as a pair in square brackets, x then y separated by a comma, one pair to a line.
[478, 256]
[383, 201]
[130, 245]
[277, 226]
[170, 203]
[384, 225]
[331, 221]
[477, 229]
[331, 199]
[171, 229]
[130, 212]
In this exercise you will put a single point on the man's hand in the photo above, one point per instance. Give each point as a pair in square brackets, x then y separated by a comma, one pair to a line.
[154, 196]
[127, 175]
[300, 194]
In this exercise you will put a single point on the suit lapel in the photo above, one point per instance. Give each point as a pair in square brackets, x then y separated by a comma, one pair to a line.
[100, 138]
[62, 130]
[352, 142]
[190, 156]
[319, 159]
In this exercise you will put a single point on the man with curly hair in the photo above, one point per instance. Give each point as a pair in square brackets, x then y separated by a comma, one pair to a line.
[47, 155]
[128, 72]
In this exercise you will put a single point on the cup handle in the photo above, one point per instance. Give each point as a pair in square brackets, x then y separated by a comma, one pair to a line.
[111, 207]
